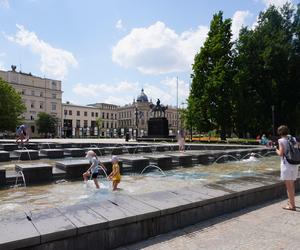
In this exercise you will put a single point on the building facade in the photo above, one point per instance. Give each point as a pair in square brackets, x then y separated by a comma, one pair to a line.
[98, 119]
[133, 118]
[38, 94]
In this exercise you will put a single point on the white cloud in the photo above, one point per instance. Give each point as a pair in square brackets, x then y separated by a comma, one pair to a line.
[238, 21]
[158, 49]
[118, 93]
[119, 24]
[277, 3]
[4, 4]
[55, 62]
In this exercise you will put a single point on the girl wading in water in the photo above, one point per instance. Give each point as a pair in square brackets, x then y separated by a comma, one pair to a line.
[288, 172]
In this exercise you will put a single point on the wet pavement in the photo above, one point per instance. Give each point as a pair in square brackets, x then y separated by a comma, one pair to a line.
[261, 227]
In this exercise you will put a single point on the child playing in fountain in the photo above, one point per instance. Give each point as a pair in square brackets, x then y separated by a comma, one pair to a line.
[115, 175]
[94, 168]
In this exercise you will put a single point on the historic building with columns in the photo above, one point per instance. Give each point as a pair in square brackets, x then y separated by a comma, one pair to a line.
[92, 120]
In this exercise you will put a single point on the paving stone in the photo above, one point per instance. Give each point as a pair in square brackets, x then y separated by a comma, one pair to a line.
[84, 218]
[17, 232]
[53, 225]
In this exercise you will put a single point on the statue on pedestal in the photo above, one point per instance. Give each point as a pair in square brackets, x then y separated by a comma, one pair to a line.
[158, 109]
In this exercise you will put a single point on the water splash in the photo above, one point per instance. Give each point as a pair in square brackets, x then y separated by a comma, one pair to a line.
[153, 166]
[223, 156]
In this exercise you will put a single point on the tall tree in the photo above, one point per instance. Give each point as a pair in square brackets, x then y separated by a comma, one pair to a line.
[263, 70]
[211, 91]
[46, 123]
[11, 107]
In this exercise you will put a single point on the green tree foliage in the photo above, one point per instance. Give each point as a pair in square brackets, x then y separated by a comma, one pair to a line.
[266, 74]
[235, 87]
[11, 107]
[211, 91]
[46, 123]
[98, 125]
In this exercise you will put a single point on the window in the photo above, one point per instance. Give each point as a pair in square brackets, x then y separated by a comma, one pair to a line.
[32, 105]
[70, 112]
[96, 114]
[107, 125]
[41, 94]
[116, 116]
[31, 117]
[23, 91]
[78, 113]
[85, 123]
[92, 114]
[103, 115]
[53, 96]
[107, 115]
[53, 104]
[65, 112]
[77, 123]
[85, 113]
[53, 84]
[111, 116]
[41, 105]
[32, 92]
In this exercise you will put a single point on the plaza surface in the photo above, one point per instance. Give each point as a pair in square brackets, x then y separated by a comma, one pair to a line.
[266, 226]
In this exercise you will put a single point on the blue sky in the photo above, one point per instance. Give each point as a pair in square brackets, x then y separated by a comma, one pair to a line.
[106, 51]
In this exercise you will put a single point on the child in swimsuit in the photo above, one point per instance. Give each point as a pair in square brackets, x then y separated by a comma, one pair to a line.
[94, 168]
[115, 175]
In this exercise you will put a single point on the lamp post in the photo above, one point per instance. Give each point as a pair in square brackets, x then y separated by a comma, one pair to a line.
[273, 119]
[136, 121]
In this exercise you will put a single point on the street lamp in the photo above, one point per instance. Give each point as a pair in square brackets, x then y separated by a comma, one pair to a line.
[273, 119]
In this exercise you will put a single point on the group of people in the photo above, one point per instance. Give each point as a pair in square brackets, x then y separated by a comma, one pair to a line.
[96, 167]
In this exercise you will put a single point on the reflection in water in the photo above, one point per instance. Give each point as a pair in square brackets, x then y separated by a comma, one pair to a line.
[69, 193]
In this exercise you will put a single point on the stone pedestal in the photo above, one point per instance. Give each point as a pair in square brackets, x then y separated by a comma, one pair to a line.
[4, 156]
[35, 173]
[25, 155]
[9, 146]
[75, 152]
[158, 127]
[138, 163]
[162, 161]
[53, 153]
[2, 177]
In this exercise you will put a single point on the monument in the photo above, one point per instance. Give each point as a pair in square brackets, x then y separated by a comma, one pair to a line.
[158, 126]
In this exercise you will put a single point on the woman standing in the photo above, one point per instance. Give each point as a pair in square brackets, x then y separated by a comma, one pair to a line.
[288, 172]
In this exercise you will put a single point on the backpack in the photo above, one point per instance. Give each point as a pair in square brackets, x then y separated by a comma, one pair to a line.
[293, 151]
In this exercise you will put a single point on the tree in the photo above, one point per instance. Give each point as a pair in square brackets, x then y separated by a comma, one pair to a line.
[210, 98]
[11, 107]
[98, 125]
[46, 123]
[263, 78]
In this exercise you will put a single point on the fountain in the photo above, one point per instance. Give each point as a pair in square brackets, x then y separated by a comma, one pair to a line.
[29, 157]
[97, 149]
[153, 166]
[223, 156]
[20, 173]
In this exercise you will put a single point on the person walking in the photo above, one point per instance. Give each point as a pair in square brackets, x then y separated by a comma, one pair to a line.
[288, 172]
